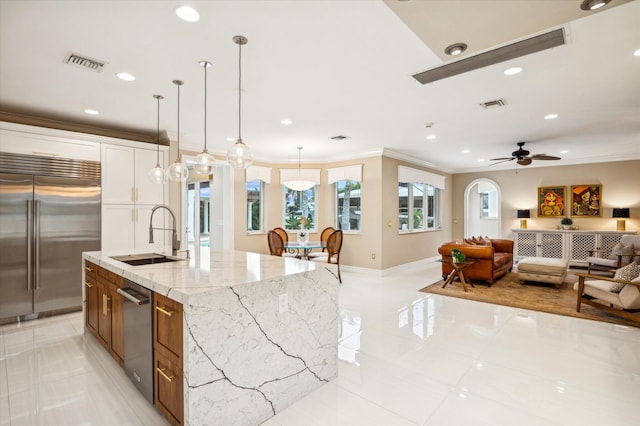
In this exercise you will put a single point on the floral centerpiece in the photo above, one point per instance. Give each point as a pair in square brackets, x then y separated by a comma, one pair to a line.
[303, 235]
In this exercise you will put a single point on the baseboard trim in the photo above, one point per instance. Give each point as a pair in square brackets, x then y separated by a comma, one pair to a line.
[405, 267]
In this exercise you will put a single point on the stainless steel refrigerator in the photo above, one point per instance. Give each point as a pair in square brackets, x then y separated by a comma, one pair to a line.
[49, 215]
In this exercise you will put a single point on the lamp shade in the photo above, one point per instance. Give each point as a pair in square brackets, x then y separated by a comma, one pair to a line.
[523, 214]
[621, 213]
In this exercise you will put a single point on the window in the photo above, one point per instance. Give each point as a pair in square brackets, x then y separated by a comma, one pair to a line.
[417, 207]
[348, 205]
[489, 205]
[255, 205]
[299, 204]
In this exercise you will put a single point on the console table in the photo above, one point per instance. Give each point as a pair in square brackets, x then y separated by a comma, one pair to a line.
[573, 245]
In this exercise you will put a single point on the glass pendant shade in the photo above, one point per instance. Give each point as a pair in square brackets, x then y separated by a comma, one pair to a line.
[157, 174]
[239, 155]
[177, 171]
[205, 163]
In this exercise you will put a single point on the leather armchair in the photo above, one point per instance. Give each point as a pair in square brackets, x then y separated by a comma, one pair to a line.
[492, 261]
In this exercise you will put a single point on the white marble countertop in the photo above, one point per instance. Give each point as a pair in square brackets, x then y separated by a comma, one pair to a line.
[207, 270]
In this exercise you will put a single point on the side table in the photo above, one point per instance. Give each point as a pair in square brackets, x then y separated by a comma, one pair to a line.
[457, 272]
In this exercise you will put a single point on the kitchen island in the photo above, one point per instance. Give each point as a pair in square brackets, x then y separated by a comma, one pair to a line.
[259, 332]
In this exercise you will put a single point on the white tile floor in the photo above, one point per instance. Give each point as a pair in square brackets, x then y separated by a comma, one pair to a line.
[406, 358]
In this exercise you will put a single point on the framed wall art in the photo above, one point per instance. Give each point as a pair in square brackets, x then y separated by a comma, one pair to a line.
[551, 201]
[586, 200]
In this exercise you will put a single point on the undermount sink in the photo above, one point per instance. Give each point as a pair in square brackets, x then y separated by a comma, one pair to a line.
[145, 259]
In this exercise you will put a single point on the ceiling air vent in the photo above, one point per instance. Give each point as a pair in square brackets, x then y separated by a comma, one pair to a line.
[494, 104]
[339, 137]
[84, 62]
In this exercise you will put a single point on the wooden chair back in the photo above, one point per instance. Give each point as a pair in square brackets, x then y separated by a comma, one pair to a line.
[276, 245]
[324, 235]
[283, 234]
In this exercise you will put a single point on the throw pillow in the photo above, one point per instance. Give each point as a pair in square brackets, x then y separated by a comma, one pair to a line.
[626, 252]
[627, 273]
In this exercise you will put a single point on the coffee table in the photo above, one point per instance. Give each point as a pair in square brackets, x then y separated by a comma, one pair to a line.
[457, 272]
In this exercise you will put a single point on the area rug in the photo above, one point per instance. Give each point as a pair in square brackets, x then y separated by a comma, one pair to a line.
[508, 291]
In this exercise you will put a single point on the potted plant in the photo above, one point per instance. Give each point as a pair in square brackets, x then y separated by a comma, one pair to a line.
[566, 223]
[458, 256]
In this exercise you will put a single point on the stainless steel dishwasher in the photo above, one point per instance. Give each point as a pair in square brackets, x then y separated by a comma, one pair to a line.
[138, 336]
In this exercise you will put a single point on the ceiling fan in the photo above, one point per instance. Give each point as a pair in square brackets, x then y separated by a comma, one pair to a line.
[522, 156]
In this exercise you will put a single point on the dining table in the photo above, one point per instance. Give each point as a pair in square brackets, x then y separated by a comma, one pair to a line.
[302, 249]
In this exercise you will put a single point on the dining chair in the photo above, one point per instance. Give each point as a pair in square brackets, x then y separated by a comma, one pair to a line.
[334, 246]
[276, 245]
[324, 236]
[283, 234]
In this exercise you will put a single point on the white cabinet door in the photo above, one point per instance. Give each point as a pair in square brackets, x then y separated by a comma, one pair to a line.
[147, 192]
[117, 174]
[118, 226]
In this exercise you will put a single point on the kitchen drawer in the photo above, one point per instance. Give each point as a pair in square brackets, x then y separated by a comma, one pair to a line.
[168, 392]
[167, 328]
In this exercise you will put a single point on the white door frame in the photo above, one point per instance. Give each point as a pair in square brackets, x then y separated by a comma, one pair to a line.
[467, 212]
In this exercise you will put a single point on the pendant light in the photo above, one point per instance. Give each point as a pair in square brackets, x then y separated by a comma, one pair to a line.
[204, 163]
[239, 155]
[177, 171]
[299, 184]
[156, 175]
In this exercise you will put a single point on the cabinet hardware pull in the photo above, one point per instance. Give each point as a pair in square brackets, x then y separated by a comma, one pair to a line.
[136, 194]
[89, 284]
[133, 194]
[104, 304]
[164, 311]
[136, 215]
[88, 269]
[161, 371]
[133, 215]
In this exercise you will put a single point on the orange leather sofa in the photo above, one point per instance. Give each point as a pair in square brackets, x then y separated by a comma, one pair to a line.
[492, 261]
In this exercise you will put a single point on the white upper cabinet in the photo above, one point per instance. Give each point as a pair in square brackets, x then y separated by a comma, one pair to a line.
[124, 175]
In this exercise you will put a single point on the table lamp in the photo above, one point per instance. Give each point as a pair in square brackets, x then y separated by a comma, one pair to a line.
[622, 214]
[523, 215]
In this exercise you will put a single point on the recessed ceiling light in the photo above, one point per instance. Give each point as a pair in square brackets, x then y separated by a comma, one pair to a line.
[455, 49]
[550, 116]
[188, 14]
[636, 53]
[466, 151]
[564, 151]
[286, 122]
[231, 139]
[593, 4]
[513, 71]
[431, 137]
[481, 160]
[91, 111]
[125, 76]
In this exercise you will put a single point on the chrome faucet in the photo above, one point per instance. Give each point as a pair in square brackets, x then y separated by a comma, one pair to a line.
[175, 244]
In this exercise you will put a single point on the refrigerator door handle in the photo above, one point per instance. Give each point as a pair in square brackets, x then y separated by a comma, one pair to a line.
[37, 240]
[29, 243]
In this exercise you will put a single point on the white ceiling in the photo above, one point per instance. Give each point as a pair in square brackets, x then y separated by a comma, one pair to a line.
[336, 68]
